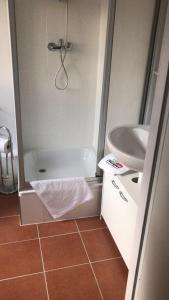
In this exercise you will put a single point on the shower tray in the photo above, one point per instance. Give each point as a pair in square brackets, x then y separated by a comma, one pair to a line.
[51, 164]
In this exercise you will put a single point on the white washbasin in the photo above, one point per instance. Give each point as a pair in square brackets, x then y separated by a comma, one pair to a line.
[128, 143]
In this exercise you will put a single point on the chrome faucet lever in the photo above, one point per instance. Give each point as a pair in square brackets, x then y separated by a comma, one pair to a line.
[60, 45]
[53, 47]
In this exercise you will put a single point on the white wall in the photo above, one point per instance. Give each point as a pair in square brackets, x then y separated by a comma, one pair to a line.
[130, 48]
[7, 110]
[52, 118]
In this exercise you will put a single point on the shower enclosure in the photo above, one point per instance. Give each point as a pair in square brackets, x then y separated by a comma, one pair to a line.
[61, 130]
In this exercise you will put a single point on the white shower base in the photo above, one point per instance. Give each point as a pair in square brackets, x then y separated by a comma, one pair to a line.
[52, 164]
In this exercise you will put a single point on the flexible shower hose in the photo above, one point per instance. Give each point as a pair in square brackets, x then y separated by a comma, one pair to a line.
[63, 53]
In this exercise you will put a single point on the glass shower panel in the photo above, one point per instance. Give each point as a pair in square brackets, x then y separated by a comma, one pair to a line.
[60, 84]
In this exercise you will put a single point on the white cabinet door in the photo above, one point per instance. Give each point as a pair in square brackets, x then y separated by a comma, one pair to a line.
[119, 212]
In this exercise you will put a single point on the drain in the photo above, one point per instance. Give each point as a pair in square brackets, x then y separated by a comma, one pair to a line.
[42, 170]
[135, 179]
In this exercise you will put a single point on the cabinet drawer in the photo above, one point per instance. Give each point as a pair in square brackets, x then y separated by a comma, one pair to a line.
[119, 212]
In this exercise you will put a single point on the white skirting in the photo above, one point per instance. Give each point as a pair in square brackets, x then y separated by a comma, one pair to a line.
[33, 211]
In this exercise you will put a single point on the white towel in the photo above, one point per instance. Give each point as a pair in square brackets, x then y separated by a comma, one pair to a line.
[62, 195]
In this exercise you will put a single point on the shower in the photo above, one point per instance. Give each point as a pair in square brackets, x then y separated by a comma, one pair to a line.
[62, 47]
[60, 127]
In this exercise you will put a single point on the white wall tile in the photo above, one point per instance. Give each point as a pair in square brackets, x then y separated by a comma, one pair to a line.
[52, 118]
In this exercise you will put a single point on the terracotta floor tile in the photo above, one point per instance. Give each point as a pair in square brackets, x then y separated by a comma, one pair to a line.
[55, 228]
[90, 223]
[9, 205]
[112, 278]
[99, 244]
[61, 251]
[24, 288]
[19, 259]
[72, 283]
[11, 231]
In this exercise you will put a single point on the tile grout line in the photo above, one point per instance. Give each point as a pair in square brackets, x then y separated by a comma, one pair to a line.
[56, 235]
[38, 237]
[73, 232]
[78, 265]
[67, 267]
[57, 269]
[43, 266]
[97, 283]
[50, 236]
[106, 259]
[20, 276]
[21, 241]
[93, 229]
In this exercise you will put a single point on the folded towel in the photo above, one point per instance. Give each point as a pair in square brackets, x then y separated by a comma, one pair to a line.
[62, 195]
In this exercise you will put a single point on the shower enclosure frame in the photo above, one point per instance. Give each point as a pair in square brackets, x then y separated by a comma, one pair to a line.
[153, 58]
[104, 97]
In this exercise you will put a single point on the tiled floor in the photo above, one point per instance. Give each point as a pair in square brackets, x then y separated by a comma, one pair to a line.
[58, 261]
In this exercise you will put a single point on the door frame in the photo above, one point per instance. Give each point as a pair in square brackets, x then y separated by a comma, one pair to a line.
[158, 125]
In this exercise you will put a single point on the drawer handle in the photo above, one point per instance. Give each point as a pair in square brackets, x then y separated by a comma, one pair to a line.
[123, 197]
[115, 185]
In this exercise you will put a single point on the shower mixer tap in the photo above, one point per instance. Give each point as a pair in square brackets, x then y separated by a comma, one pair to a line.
[60, 45]
[53, 47]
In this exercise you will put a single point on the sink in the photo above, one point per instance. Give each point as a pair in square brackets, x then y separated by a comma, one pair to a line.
[128, 144]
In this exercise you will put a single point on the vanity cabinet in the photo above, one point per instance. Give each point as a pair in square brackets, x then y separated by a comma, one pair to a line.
[119, 211]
